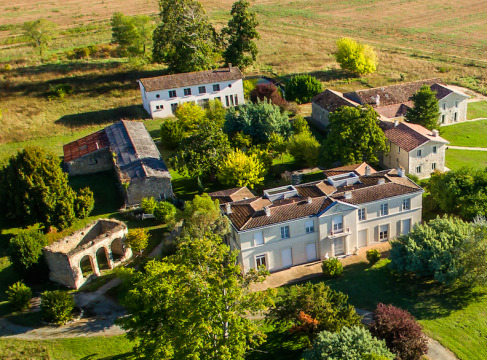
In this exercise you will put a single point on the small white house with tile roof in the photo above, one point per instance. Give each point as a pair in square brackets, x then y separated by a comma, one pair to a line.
[292, 225]
[161, 95]
[414, 148]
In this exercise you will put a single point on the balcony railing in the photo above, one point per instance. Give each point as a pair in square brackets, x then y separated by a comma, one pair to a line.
[339, 232]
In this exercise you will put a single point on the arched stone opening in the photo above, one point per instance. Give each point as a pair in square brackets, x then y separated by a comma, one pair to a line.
[102, 259]
[86, 266]
[117, 249]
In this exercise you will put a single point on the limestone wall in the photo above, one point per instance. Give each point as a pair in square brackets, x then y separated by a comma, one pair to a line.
[157, 187]
[101, 160]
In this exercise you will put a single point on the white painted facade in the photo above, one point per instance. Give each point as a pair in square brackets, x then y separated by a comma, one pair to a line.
[303, 245]
[163, 103]
[453, 108]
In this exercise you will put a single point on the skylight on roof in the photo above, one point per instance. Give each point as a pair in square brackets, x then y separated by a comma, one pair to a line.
[283, 192]
[343, 179]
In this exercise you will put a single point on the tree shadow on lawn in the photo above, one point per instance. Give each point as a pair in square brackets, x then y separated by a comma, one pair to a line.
[126, 355]
[425, 298]
[130, 112]
[329, 75]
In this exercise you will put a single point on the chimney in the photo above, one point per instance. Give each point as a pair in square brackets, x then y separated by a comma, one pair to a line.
[348, 195]
[228, 208]
[381, 181]
[267, 210]
[367, 170]
[396, 122]
[377, 100]
[309, 200]
[401, 172]
[230, 67]
[435, 133]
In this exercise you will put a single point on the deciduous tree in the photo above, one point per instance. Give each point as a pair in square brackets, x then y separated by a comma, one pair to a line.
[202, 215]
[355, 136]
[39, 33]
[194, 304]
[358, 58]
[258, 120]
[25, 252]
[240, 169]
[172, 133]
[302, 88]
[351, 343]
[137, 239]
[133, 34]
[184, 39]
[240, 34]
[190, 115]
[425, 111]
[305, 148]
[165, 212]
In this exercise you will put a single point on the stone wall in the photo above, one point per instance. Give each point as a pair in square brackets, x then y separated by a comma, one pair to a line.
[319, 116]
[157, 187]
[98, 161]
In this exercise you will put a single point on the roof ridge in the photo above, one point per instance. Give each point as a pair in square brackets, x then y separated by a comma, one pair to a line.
[142, 165]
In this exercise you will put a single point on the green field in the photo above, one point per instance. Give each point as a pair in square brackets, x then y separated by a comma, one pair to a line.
[455, 159]
[470, 134]
[476, 110]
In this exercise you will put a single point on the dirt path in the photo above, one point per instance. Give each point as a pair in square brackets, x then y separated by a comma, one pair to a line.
[474, 96]
[466, 148]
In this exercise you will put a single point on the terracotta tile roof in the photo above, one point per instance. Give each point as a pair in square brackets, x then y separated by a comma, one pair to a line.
[191, 78]
[408, 136]
[230, 195]
[394, 110]
[85, 145]
[393, 94]
[358, 169]
[331, 100]
[250, 213]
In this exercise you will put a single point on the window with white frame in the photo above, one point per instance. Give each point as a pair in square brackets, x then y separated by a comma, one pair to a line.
[285, 232]
[236, 99]
[310, 226]
[187, 91]
[260, 261]
[384, 209]
[258, 238]
[383, 232]
[418, 169]
[337, 223]
[433, 166]
[172, 93]
[216, 87]
[406, 204]
[398, 150]
[361, 214]
[418, 153]
[443, 118]
[435, 149]
[443, 106]
[202, 89]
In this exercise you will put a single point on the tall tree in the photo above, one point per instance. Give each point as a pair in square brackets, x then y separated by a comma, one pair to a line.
[241, 31]
[39, 33]
[425, 111]
[184, 39]
[258, 120]
[359, 58]
[190, 115]
[202, 152]
[305, 148]
[240, 169]
[133, 34]
[355, 136]
[202, 215]
[194, 304]
[302, 88]
[33, 189]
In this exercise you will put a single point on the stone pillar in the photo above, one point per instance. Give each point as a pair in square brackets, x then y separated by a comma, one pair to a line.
[108, 255]
[94, 265]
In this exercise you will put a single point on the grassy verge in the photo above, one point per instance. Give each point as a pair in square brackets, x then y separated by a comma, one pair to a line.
[471, 134]
[477, 110]
[115, 347]
[455, 159]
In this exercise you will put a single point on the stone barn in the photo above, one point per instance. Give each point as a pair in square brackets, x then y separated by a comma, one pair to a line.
[80, 256]
[127, 148]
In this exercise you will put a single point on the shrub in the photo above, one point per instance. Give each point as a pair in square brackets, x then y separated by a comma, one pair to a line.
[268, 92]
[165, 212]
[305, 148]
[350, 343]
[172, 133]
[240, 169]
[300, 125]
[57, 306]
[302, 88]
[148, 205]
[59, 91]
[248, 86]
[373, 256]
[402, 334]
[25, 250]
[137, 239]
[332, 268]
[18, 295]
[84, 203]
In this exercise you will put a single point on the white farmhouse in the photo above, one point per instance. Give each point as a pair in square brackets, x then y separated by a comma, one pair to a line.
[161, 95]
[292, 225]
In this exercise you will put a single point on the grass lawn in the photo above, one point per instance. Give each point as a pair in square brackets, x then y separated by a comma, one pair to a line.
[471, 134]
[455, 159]
[115, 347]
[477, 110]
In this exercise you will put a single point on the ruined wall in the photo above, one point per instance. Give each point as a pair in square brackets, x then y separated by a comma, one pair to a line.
[98, 161]
[59, 268]
[157, 187]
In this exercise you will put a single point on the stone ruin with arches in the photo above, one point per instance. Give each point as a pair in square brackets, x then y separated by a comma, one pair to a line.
[75, 259]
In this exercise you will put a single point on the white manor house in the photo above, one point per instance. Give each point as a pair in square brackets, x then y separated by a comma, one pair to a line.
[292, 225]
[161, 95]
